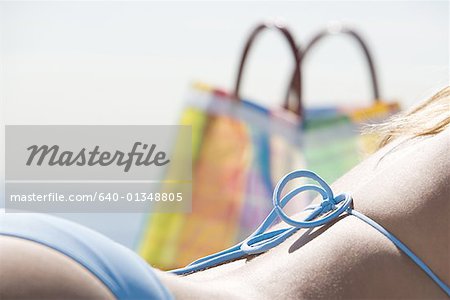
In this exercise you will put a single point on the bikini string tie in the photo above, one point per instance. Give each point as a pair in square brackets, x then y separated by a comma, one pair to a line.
[262, 240]
[326, 211]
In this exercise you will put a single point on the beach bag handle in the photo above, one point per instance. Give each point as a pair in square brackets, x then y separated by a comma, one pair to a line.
[339, 29]
[296, 81]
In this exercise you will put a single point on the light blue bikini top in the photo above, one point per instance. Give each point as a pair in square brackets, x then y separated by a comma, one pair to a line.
[328, 210]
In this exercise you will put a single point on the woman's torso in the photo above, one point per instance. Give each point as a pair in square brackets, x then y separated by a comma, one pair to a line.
[405, 188]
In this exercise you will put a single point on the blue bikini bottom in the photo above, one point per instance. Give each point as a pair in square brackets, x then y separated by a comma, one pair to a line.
[121, 270]
[130, 277]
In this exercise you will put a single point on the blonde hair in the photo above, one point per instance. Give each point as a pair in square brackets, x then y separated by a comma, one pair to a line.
[427, 118]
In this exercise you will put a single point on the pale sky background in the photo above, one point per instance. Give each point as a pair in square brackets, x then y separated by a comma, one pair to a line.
[132, 62]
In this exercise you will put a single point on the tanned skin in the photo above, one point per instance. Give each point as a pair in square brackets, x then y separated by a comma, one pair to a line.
[405, 187]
